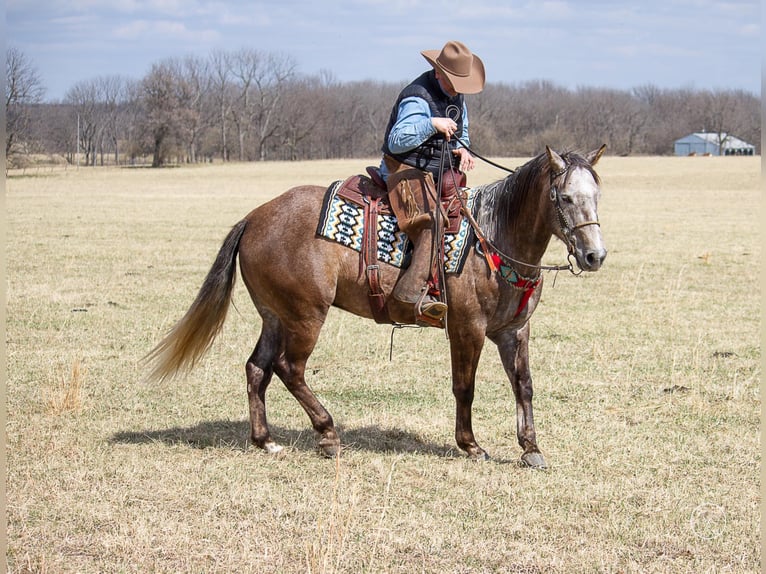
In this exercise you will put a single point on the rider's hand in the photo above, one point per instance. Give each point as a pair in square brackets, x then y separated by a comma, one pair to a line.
[444, 126]
[466, 159]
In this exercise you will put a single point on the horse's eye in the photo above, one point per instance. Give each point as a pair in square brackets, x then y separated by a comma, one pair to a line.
[567, 198]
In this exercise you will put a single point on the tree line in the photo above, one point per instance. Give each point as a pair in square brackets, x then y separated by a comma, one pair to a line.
[250, 105]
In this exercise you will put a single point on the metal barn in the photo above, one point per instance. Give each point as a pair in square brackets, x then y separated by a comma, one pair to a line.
[702, 143]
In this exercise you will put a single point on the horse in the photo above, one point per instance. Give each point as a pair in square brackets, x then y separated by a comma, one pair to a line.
[293, 277]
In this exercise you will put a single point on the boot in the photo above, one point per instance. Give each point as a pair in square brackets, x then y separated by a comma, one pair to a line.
[413, 198]
[412, 287]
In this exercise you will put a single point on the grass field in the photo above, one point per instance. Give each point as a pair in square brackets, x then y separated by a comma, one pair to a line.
[646, 393]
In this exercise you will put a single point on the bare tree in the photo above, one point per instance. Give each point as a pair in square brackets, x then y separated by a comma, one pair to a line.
[269, 91]
[608, 116]
[746, 119]
[355, 119]
[221, 96]
[114, 96]
[167, 102]
[55, 130]
[196, 82]
[303, 109]
[671, 116]
[261, 80]
[84, 101]
[253, 105]
[160, 107]
[373, 114]
[722, 114]
[244, 66]
[23, 89]
[128, 126]
[97, 107]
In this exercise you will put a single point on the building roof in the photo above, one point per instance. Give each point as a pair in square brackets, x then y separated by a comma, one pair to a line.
[731, 142]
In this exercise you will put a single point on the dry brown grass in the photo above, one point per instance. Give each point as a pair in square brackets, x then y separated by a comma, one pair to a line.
[646, 377]
[66, 392]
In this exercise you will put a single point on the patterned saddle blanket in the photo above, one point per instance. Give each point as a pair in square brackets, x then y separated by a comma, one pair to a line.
[342, 220]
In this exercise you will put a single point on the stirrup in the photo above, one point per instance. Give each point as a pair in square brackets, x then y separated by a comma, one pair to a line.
[429, 312]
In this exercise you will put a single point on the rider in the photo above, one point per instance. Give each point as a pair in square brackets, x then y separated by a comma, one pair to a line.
[420, 122]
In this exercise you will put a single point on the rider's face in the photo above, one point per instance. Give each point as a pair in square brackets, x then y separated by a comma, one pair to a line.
[445, 84]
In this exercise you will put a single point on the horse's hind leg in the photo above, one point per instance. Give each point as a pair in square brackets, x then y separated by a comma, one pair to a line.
[285, 355]
[259, 370]
[293, 376]
[291, 368]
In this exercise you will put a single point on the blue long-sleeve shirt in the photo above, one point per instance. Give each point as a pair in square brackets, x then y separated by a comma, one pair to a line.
[413, 127]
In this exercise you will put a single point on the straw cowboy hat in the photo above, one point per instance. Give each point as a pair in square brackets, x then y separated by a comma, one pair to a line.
[464, 69]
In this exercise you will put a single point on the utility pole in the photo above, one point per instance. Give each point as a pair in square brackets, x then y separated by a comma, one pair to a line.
[78, 140]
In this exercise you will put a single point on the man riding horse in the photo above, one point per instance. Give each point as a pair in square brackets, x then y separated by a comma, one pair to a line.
[550, 195]
[419, 133]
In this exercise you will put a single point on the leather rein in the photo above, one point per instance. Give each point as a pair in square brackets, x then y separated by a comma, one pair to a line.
[565, 227]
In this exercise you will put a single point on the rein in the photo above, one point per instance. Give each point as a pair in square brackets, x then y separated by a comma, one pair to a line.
[566, 229]
[487, 245]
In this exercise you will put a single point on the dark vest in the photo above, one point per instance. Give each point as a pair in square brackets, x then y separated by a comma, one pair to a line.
[427, 156]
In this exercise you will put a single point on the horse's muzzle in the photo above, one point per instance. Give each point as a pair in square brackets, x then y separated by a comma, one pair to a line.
[591, 259]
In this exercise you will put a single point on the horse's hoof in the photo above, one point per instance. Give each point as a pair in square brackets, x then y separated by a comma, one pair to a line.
[478, 455]
[272, 448]
[330, 448]
[533, 460]
[330, 451]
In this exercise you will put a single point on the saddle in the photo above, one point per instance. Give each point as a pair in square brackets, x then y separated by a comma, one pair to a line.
[370, 192]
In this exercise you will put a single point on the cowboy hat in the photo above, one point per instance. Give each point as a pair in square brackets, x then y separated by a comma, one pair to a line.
[464, 69]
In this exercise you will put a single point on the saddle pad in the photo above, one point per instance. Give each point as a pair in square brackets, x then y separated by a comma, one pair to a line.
[342, 220]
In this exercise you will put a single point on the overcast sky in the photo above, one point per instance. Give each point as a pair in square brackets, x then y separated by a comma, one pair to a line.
[699, 44]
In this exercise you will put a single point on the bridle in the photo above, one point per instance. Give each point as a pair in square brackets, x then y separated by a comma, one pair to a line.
[567, 230]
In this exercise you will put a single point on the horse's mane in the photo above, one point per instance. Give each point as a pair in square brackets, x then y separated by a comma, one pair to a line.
[499, 203]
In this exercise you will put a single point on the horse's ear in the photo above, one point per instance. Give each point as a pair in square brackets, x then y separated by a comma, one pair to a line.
[595, 155]
[555, 160]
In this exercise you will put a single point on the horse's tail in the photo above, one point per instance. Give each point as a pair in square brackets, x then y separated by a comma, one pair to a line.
[193, 335]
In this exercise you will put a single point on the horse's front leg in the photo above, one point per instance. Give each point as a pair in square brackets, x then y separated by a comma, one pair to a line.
[465, 352]
[514, 353]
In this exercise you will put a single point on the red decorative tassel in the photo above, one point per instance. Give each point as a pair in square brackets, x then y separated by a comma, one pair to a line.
[496, 261]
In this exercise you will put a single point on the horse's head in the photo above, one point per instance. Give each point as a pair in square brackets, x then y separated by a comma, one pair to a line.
[574, 193]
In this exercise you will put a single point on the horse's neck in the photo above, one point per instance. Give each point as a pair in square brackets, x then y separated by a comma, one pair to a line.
[518, 226]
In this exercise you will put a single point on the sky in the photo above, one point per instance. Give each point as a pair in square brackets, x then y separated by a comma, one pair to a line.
[671, 44]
